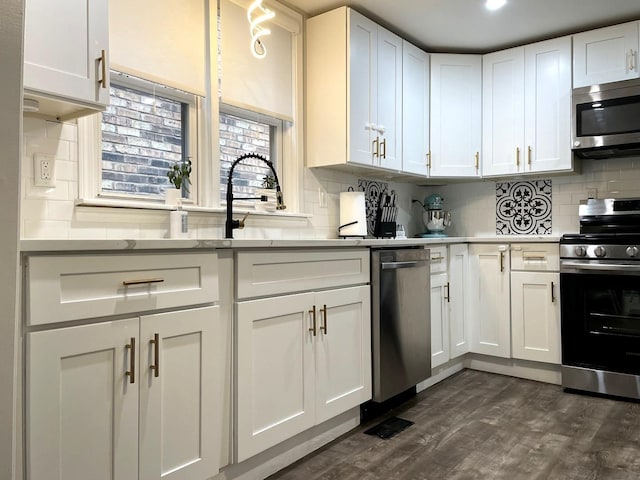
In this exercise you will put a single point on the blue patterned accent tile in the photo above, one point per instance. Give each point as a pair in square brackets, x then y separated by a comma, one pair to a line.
[523, 208]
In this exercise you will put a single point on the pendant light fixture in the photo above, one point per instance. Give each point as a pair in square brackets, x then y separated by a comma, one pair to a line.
[262, 14]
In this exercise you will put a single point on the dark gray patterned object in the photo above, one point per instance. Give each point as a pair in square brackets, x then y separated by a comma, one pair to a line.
[523, 208]
[372, 191]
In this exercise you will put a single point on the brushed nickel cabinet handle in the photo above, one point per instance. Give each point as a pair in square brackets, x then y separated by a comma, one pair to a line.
[518, 157]
[529, 155]
[142, 281]
[131, 373]
[448, 295]
[376, 149]
[103, 65]
[155, 341]
[477, 161]
[553, 295]
[324, 319]
[429, 160]
[312, 312]
[501, 262]
[383, 146]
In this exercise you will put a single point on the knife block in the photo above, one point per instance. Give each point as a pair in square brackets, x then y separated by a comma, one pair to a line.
[383, 229]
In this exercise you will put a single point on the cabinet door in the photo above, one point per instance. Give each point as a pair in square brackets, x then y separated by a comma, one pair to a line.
[458, 298]
[415, 110]
[439, 320]
[63, 44]
[535, 316]
[81, 409]
[177, 395]
[605, 55]
[489, 302]
[275, 371]
[503, 112]
[389, 98]
[456, 118]
[363, 40]
[342, 350]
[548, 105]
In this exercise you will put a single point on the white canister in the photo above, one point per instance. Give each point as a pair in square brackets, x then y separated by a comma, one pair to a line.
[178, 224]
[353, 209]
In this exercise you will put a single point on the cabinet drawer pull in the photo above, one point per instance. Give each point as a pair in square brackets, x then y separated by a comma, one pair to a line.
[131, 373]
[324, 319]
[376, 150]
[437, 259]
[155, 341]
[477, 161]
[553, 295]
[533, 256]
[103, 65]
[313, 329]
[529, 155]
[128, 283]
[383, 146]
[448, 295]
[429, 160]
[501, 262]
[518, 157]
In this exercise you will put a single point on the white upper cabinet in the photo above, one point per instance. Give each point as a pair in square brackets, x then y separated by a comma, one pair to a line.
[503, 111]
[527, 109]
[415, 109]
[456, 118]
[605, 55]
[65, 53]
[354, 92]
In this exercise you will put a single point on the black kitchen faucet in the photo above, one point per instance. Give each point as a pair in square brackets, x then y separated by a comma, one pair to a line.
[230, 223]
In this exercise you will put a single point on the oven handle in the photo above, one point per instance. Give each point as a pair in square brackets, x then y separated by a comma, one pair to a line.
[577, 267]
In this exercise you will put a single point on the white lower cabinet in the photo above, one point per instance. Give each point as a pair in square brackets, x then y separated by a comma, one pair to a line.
[457, 296]
[439, 320]
[301, 359]
[489, 301]
[104, 402]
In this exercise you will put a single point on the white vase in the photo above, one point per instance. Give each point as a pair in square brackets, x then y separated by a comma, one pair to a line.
[270, 204]
[173, 196]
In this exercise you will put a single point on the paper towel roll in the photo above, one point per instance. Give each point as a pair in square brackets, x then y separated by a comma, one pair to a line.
[352, 209]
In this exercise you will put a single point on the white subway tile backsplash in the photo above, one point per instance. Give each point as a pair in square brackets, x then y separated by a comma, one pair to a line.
[62, 131]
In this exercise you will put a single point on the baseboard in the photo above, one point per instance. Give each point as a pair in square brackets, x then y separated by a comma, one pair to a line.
[541, 372]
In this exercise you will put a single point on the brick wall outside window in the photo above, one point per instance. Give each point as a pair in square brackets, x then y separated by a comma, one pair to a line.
[141, 140]
[238, 137]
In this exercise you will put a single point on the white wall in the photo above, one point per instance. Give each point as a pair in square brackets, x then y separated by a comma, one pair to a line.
[11, 12]
[52, 213]
[473, 205]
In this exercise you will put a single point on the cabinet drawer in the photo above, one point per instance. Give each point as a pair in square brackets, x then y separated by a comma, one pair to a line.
[535, 256]
[268, 272]
[72, 287]
[438, 257]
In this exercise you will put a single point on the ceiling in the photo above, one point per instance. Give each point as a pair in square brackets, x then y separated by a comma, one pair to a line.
[466, 26]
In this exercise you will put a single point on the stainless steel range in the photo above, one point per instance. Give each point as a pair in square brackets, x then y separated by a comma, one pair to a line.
[600, 296]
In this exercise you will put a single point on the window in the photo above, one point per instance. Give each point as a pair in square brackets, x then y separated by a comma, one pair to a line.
[144, 131]
[243, 132]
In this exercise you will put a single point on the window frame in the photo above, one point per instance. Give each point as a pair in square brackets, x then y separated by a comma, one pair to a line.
[276, 143]
[90, 143]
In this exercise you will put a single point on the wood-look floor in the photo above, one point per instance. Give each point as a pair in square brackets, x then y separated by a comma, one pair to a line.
[477, 425]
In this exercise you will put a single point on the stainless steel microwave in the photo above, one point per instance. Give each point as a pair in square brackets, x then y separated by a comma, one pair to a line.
[606, 120]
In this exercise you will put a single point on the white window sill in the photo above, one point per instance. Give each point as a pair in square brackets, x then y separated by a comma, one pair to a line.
[133, 204]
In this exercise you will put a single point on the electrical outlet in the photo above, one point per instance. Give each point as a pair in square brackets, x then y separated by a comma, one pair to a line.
[44, 170]
[592, 193]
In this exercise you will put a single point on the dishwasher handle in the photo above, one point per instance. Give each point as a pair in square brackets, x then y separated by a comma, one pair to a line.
[396, 265]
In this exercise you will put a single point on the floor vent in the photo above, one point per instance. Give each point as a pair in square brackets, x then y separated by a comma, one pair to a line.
[389, 427]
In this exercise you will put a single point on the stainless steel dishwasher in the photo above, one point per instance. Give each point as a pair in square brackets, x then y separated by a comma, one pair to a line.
[401, 320]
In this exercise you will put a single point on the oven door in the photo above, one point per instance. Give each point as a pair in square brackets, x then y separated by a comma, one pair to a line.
[600, 311]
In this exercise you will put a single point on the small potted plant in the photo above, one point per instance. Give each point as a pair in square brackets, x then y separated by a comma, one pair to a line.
[268, 190]
[178, 177]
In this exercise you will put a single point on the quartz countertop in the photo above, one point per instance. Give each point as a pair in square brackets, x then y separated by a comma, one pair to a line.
[57, 245]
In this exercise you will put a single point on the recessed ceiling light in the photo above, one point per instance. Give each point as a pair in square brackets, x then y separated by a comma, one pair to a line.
[494, 4]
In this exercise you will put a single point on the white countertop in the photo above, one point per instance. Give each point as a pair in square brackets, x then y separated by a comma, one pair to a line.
[55, 245]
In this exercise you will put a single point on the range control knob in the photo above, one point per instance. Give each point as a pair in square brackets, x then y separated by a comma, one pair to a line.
[580, 251]
[632, 251]
[599, 251]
